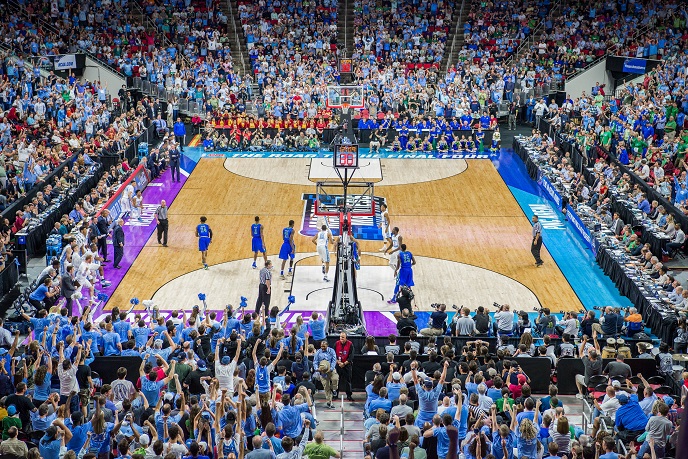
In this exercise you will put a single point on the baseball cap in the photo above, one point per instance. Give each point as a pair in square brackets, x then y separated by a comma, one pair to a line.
[521, 378]
[169, 396]
[622, 398]
[202, 365]
[11, 410]
[396, 376]
[668, 400]
[616, 384]
[203, 445]
[428, 383]
[225, 360]
[144, 440]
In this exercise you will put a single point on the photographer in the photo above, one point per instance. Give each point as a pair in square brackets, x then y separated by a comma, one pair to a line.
[568, 325]
[437, 323]
[546, 323]
[610, 323]
[504, 320]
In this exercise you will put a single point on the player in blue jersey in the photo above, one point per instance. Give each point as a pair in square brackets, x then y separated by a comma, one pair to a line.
[257, 244]
[288, 250]
[404, 270]
[205, 237]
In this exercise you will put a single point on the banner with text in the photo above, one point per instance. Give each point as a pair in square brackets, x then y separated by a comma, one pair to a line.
[552, 192]
[64, 62]
[635, 65]
[581, 229]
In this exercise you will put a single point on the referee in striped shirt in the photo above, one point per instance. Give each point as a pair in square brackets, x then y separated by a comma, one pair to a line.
[537, 241]
[264, 289]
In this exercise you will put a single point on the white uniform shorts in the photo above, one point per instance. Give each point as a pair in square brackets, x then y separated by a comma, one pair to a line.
[324, 253]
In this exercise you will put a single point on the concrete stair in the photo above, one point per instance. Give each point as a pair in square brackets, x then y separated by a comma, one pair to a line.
[237, 44]
[455, 40]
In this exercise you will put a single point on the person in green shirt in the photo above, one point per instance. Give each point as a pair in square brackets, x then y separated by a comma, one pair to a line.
[670, 129]
[505, 398]
[606, 138]
[11, 420]
[318, 449]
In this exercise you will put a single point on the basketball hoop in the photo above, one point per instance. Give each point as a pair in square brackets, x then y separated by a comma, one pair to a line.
[345, 107]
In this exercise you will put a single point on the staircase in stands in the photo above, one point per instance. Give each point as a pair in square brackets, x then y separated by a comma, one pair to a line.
[455, 40]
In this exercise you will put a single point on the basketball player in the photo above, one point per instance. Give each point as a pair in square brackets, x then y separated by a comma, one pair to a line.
[404, 270]
[288, 250]
[205, 237]
[395, 241]
[257, 241]
[322, 240]
[384, 224]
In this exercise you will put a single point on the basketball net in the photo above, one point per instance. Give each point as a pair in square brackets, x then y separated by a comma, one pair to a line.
[345, 107]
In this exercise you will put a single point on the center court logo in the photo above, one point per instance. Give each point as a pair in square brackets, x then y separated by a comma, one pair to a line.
[364, 228]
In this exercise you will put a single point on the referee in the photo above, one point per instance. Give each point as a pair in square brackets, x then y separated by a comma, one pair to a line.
[537, 241]
[162, 223]
[264, 289]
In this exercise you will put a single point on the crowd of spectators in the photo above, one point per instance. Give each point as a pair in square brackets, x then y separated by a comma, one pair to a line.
[401, 32]
[587, 31]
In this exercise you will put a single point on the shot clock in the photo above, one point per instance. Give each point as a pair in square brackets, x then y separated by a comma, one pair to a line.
[346, 156]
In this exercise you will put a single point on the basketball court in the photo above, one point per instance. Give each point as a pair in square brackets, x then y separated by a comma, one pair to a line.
[469, 236]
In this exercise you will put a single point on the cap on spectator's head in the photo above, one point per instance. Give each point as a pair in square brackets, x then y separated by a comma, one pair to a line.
[616, 384]
[157, 344]
[622, 398]
[225, 360]
[396, 376]
[668, 400]
[203, 445]
[428, 383]
[521, 378]
[144, 440]
[492, 372]
[11, 410]
[201, 365]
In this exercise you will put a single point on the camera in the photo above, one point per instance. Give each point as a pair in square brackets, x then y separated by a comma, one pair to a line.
[435, 306]
[497, 305]
[456, 307]
[536, 309]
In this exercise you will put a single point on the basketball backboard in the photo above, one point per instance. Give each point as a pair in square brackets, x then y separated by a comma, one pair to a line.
[345, 97]
[359, 201]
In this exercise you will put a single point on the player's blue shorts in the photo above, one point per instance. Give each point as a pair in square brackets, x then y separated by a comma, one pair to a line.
[286, 252]
[406, 277]
[257, 245]
[203, 244]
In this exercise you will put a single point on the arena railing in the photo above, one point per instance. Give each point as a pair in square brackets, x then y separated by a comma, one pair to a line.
[459, 25]
[588, 417]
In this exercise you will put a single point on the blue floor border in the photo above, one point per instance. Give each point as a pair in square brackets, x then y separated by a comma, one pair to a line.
[575, 260]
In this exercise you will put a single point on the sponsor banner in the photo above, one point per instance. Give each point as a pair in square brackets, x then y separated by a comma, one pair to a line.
[581, 229]
[328, 154]
[139, 179]
[550, 190]
[366, 228]
[65, 62]
[634, 65]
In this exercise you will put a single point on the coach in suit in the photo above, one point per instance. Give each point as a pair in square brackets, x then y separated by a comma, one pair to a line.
[118, 242]
[103, 228]
[68, 287]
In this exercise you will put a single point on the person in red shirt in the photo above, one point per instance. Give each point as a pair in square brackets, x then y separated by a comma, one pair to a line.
[344, 350]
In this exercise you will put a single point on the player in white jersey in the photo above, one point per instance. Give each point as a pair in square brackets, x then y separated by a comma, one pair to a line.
[322, 240]
[125, 199]
[384, 224]
[394, 248]
[97, 271]
[83, 276]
